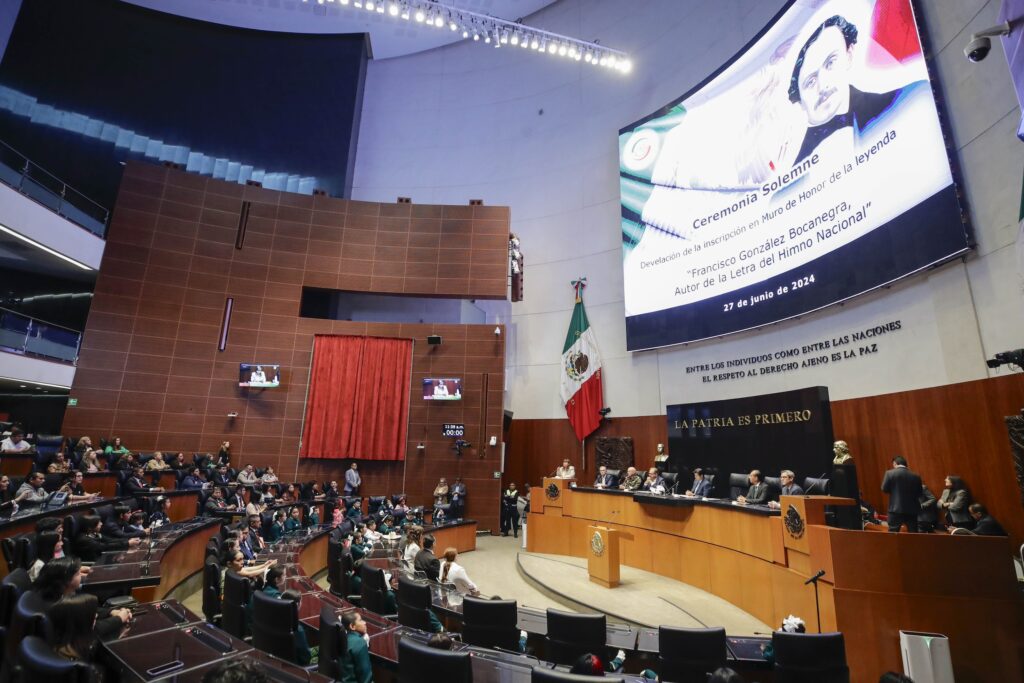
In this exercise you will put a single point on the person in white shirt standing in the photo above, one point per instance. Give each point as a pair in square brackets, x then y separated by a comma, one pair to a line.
[454, 573]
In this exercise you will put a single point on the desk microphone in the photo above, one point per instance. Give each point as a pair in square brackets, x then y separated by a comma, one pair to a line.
[814, 579]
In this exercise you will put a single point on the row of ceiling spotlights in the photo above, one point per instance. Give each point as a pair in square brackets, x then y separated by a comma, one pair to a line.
[490, 32]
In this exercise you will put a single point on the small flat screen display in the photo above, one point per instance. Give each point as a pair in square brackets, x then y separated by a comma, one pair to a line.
[445, 389]
[259, 376]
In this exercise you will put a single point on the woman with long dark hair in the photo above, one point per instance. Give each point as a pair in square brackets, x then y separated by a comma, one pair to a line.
[49, 544]
[955, 500]
[61, 578]
[74, 621]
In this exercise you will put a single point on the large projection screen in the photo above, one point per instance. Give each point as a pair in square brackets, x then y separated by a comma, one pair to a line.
[809, 169]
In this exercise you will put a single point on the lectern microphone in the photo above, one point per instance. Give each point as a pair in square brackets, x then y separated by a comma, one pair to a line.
[814, 579]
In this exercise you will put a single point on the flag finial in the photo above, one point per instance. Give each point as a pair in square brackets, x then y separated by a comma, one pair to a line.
[578, 285]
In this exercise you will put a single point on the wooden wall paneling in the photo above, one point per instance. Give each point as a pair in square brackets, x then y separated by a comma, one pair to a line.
[150, 369]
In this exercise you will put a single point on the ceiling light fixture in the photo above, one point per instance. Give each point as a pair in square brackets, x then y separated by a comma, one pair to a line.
[494, 30]
[37, 245]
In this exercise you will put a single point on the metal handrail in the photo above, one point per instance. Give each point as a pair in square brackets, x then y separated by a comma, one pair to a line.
[35, 330]
[38, 177]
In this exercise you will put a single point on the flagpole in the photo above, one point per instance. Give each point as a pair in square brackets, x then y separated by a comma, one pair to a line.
[583, 454]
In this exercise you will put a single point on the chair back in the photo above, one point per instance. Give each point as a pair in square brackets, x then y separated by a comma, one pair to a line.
[12, 588]
[490, 623]
[234, 607]
[418, 663]
[413, 603]
[39, 664]
[26, 550]
[543, 675]
[335, 550]
[274, 623]
[739, 484]
[10, 550]
[374, 503]
[333, 643]
[28, 619]
[211, 589]
[572, 635]
[810, 658]
[372, 589]
[814, 486]
[671, 481]
[687, 655]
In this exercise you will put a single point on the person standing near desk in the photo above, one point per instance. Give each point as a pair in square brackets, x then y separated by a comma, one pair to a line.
[355, 663]
[701, 487]
[566, 470]
[904, 489]
[352, 480]
[509, 514]
[757, 494]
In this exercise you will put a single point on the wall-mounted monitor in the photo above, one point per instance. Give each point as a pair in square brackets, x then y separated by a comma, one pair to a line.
[811, 168]
[445, 389]
[259, 376]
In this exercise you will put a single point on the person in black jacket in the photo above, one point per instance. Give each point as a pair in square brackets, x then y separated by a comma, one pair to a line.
[425, 560]
[136, 483]
[984, 523]
[119, 525]
[90, 544]
[62, 578]
[758, 492]
[904, 489]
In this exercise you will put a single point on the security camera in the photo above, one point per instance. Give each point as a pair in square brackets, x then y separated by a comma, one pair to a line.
[981, 44]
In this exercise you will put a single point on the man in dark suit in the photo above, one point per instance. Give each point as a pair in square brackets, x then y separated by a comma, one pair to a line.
[136, 483]
[90, 544]
[221, 477]
[904, 489]
[604, 480]
[118, 525]
[984, 523]
[701, 487]
[425, 561]
[789, 488]
[757, 494]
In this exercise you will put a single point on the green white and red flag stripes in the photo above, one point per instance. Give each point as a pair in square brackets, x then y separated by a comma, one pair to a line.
[581, 371]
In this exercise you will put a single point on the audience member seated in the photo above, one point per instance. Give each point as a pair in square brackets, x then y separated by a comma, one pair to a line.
[179, 463]
[6, 493]
[654, 482]
[566, 470]
[277, 527]
[954, 503]
[235, 561]
[162, 514]
[75, 488]
[304, 654]
[256, 533]
[157, 463]
[758, 492]
[237, 499]
[454, 573]
[632, 480]
[288, 495]
[355, 510]
[603, 479]
[402, 506]
[413, 538]
[984, 523]
[220, 476]
[256, 506]
[248, 476]
[193, 481]
[928, 517]
[425, 560]
[269, 476]
[126, 463]
[90, 543]
[789, 488]
[91, 462]
[245, 543]
[83, 446]
[59, 465]
[355, 663]
[333, 492]
[119, 525]
[115, 449]
[31, 492]
[15, 443]
[216, 502]
[701, 487]
[441, 492]
[294, 522]
[62, 578]
[440, 641]
[49, 545]
[370, 533]
[136, 484]
[71, 621]
[591, 665]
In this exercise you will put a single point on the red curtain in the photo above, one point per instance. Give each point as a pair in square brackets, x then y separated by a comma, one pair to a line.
[358, 404]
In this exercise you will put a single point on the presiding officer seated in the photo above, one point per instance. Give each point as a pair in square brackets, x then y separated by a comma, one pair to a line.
[604, 480]
[701, 487]
[789, 488]
[758, 492]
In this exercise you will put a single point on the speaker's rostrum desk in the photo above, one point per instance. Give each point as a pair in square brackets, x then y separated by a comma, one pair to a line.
[758, 559]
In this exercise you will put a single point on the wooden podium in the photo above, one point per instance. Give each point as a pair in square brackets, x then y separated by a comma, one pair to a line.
[603, 555]
[552, 494]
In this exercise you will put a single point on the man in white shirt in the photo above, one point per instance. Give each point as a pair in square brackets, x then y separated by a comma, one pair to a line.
[248, 476]
[15, 443]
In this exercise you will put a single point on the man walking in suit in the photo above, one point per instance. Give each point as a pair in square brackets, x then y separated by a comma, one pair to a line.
[904, 489]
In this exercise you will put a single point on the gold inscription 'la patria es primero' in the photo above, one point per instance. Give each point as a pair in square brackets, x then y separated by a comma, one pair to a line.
[787, 417]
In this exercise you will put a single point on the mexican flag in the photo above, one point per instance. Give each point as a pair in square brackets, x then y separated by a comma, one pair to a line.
[581, 371]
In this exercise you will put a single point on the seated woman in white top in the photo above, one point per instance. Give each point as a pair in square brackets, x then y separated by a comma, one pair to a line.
[454, 573]
[412, 544]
